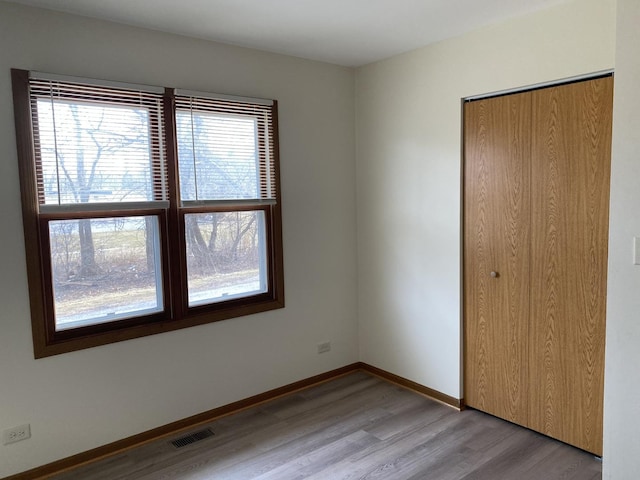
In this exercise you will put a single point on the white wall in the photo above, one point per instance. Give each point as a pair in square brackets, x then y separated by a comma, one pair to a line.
[408, 174]
[622, 388]
[80, 400]
[408, 204]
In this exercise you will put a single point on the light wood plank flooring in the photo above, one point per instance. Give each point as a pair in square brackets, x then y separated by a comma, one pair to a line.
[354, 427]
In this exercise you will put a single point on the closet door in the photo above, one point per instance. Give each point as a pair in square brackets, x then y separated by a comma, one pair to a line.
[570, 154]
[496, 254]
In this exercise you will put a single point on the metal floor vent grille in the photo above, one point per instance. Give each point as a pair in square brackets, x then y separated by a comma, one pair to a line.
[192, 438]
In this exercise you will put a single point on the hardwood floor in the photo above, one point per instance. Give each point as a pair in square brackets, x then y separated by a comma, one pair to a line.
[354, 427]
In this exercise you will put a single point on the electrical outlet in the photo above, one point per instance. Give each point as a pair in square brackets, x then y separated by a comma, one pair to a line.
[324, 347]
[16, 434]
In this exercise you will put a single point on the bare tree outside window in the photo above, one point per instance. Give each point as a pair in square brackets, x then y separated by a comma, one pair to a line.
[218, 161]
[146, 209]
[97, 154]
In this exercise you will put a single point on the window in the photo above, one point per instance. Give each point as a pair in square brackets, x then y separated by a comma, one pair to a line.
[145, 209]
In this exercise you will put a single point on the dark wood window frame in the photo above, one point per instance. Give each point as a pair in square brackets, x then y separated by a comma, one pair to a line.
[177, 313]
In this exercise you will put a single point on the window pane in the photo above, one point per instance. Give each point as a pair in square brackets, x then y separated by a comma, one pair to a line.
[225, 256]
[217, 155]
[95, 153]
[105, 269]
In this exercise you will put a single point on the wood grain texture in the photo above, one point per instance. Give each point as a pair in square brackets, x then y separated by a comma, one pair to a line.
[29, 196]
[496, 238]
[175, 428]
[540, 333]
[570, 198]
[411, 385]
[355, 427]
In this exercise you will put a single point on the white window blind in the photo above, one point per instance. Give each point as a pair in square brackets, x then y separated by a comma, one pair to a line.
[97, 147]
[225, 152]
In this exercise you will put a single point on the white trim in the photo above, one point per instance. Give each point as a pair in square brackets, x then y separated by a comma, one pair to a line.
[550, 83]
[221, 96]
[102, 207]
[226, 297]
[229, 203]
[92, 81]
[107, 318]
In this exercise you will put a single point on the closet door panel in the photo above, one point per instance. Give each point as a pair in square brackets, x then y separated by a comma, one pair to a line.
[570, 154]
[496, 239]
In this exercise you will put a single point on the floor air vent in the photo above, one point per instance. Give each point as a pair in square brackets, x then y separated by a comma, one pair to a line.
[192, 438]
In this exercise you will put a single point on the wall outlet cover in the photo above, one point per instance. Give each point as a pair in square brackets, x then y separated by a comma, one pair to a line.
[16, 434]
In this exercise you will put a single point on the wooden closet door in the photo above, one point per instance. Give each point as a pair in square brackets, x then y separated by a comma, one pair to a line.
[570, 171]
[496, 239]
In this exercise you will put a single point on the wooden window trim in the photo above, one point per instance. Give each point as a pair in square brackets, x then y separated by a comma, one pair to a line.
[177, 315]
[54, 336]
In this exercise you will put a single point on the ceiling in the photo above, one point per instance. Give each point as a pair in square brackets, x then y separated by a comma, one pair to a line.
[344, 32]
